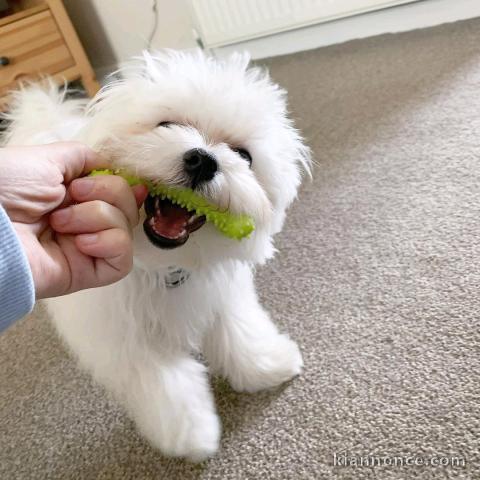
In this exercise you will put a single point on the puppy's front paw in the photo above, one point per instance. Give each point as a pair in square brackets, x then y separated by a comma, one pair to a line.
[195, 436]
[266, 364]
[201, 440]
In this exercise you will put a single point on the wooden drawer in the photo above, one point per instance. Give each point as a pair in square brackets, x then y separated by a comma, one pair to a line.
[32, 45]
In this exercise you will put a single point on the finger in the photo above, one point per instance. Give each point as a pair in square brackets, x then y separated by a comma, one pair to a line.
[73, 159]
[67, 200]
[113, 251]
[107, 188]
[88, 217]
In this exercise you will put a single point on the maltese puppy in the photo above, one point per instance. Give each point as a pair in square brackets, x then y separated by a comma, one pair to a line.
[191, 289]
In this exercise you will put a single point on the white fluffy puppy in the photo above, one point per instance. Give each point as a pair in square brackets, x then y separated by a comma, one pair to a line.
[219, 127]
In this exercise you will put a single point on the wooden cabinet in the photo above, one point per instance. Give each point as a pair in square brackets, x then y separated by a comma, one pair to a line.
[40, 40]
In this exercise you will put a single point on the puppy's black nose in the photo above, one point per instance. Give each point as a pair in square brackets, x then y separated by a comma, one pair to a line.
[199, 165]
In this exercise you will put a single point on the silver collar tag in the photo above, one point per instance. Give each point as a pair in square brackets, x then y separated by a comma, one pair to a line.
[176, 276]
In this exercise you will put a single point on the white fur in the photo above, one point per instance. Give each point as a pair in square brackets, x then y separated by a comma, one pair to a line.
[137, 337]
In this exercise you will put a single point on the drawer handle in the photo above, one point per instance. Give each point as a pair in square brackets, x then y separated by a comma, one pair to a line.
[4, 61]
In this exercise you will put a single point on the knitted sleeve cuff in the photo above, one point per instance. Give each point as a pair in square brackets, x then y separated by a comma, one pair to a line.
[17, 292]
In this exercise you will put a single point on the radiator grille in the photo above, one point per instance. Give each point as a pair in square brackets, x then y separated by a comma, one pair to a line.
[223, 22]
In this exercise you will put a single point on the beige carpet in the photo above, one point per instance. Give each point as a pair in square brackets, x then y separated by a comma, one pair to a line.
[378, 279]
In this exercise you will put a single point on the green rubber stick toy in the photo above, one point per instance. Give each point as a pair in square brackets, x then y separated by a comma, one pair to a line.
[236, 226]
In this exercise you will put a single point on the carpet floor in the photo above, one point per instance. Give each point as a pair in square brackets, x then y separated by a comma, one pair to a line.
[377, 278]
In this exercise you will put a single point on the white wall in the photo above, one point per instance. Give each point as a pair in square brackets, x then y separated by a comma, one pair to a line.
[114, 30]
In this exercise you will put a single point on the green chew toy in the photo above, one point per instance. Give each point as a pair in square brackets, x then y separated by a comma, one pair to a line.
[231, 225]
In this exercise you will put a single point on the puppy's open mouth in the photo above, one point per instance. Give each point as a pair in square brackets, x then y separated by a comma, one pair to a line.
[169, 225]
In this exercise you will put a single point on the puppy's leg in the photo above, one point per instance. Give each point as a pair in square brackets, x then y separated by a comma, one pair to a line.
[244, 345]
[172, 404]
[163, 388]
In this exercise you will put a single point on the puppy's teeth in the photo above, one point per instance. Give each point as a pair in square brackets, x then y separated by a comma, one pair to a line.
[157, 203]
[151, 222]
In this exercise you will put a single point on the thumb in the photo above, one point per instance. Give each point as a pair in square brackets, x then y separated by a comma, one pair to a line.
[140, 192]
[73, 159]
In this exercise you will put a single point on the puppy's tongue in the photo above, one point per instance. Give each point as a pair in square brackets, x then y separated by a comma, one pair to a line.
[170, 220]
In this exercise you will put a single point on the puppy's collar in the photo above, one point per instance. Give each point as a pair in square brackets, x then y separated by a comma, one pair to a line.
[176, 276]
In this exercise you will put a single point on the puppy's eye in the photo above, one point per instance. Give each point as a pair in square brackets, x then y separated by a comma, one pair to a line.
[245, 154]
[165, 124]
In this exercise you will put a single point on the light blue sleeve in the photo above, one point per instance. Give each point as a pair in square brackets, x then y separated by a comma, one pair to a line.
[17, 292]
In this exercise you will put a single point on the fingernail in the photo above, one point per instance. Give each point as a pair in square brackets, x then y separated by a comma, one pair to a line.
[62, 217]
[89, 238]
[83, 186]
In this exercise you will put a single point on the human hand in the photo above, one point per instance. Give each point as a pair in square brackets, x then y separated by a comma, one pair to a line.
[76, 232]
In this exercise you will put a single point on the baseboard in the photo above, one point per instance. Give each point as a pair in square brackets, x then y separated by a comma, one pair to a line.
[426, 13]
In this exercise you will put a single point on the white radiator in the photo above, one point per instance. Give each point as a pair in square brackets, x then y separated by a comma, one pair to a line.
[224, 22]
